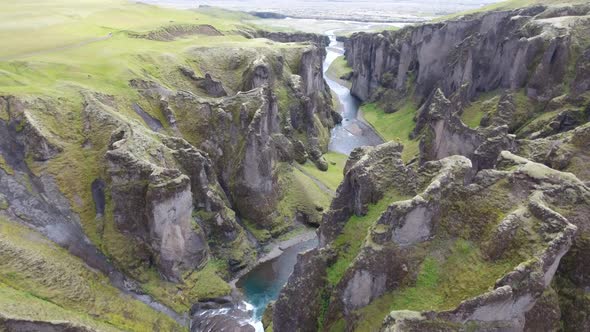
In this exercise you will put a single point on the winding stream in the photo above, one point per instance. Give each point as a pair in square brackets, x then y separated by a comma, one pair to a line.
[263, 284]
[352, 132]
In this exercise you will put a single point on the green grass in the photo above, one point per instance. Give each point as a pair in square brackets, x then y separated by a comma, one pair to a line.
[47, 53]
[334, 175]
[441, 284]
[509, 4]
[476, 110]
[301, 194]
[487, 103]
[395, 126]
[203, 284]
[36, 273]
[50, 64]
[5, 167]
[261, 234]
[19, 304]
[349, 242]
[35, 25]
[339, 68]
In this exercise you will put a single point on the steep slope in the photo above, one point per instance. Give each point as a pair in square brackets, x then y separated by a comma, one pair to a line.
[478, 227]
[533, 59]
[158, 151]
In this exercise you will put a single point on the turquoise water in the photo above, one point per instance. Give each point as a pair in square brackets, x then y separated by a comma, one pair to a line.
[263, 284]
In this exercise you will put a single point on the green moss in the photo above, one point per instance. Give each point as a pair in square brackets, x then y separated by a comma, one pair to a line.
[129, 254]
[441, 284]
[339, 68]
[261, 234]
[334, 175]
[284, 99]
[574, 303]
[203, 284]
[3, 202]
[23, 305]
[454, 267]
[323, 133]
[4, 114]
[88, 52]
[525, 108]
[338, 326]
[395, 126]
[5, 167]
[300, 194]
[349, 242]
[43, 275]
[474, 215]
[486, 103]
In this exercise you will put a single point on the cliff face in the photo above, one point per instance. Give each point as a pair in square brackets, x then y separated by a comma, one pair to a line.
[484, 229]
[502, 221]
[164, 188]
[499, 50]
[287, 37]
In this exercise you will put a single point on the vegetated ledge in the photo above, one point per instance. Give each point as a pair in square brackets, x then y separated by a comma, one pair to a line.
[516, 292]
[174, 31]
[42, 285]
[498, 220]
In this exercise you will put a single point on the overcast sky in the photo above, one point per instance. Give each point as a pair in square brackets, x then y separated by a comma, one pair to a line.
[380, 9]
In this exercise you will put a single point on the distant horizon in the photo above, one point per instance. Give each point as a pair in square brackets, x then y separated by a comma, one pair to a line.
[354, 10]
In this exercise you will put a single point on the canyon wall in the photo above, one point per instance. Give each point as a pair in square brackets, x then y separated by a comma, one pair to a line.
[484, 228]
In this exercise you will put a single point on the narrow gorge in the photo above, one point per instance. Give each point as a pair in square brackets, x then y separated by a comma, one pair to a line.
[482, 225]
[164, 169]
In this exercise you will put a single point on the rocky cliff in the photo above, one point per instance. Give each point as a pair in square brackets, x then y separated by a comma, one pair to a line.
[168, 181]
[508, 50]
[484, 229]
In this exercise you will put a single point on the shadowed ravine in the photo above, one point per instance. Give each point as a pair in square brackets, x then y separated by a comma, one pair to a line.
[352, 132]
[263, 284]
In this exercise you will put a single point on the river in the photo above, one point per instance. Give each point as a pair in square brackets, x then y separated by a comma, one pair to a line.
[352, 132]
[263, 284]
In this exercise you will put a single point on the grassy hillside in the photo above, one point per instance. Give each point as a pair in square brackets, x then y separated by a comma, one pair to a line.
[58, 56]
[339, 68]
[41, 281]
[55, 45]
[394, 127]
[513, 4]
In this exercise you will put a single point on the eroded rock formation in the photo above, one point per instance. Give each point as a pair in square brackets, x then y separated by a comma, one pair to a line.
[408, 244]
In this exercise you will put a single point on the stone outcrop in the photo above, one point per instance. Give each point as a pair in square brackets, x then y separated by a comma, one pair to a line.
[38, 143]
[289, 37]
[155, 204]
[444, 134]
[304, 291]
[487, 51]
[566, 151]
[156, 183]
[246, 135]
[157, 189]
[36, 200]
[516, 293]
[210, 86]
[450, 203]
[369, 173]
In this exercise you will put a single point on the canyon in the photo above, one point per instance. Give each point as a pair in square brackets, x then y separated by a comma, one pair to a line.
[163, 177]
